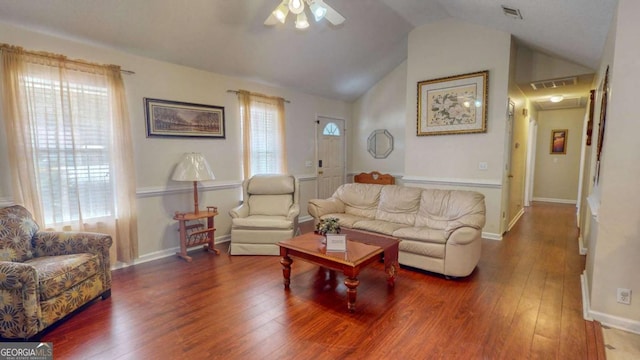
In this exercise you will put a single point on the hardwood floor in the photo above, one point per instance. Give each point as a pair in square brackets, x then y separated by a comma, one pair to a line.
[523, 301]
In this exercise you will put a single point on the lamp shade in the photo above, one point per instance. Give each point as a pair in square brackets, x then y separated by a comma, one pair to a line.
[193, 167]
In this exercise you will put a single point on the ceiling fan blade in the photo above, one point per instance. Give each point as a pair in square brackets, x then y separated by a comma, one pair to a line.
[333, 16]
[271, 20]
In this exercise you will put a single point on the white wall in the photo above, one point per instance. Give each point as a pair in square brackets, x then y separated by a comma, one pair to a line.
[615, 251]
[557, 175]
[382, 107]
[155, 158]
[447, 48]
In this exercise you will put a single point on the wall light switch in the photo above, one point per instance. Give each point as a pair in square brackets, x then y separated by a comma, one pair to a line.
[483, 165]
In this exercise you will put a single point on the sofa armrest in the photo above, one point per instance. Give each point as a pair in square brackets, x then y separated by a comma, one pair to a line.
[19, 290]
[320, 207]
[241, 211]
[463, 236]
[54, 243]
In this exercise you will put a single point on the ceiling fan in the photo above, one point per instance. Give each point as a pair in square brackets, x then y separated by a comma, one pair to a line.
[319, 9]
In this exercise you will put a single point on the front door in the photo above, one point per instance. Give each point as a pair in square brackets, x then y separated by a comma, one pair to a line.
[331, 157]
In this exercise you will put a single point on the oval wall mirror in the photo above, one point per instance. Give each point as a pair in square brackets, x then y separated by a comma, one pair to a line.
[380, 143]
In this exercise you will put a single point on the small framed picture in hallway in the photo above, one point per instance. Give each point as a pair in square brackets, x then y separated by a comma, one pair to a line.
[559, 141]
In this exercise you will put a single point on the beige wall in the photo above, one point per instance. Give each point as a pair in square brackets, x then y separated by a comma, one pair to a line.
[614, 257]
[155, 158]
[556, 175]
[452, 160]
[382, 107]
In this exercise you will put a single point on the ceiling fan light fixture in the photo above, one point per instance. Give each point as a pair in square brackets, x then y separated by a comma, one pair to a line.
[318, 8]
[556, 98]
[318, 11]
[301, 21]
[281, 12]
[296, 6]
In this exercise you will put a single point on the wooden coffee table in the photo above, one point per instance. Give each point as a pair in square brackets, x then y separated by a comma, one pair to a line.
[362, 249]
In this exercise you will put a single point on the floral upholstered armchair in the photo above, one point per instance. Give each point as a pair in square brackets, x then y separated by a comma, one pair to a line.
[44, 275]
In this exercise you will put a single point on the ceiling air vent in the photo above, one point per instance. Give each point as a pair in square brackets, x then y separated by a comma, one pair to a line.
[554, 83]
[511, 12]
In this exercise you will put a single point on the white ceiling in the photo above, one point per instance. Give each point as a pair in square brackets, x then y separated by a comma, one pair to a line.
[228, 36]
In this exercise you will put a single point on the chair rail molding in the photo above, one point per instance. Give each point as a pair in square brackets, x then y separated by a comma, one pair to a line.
[153, 191]
[482, 183]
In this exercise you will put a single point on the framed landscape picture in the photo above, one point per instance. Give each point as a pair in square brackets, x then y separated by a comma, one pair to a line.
[453, 105]
[559, 141]
[174, 118]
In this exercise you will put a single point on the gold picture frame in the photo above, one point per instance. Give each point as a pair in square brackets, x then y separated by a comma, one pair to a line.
[453, 105]
[559, 139]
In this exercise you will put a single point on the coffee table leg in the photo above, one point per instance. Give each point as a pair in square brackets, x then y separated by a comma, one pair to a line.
[286, 270]
[352, 291]
[391, 274]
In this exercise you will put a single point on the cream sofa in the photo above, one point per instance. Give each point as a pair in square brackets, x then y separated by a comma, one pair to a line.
[440, 229]
[268, 214]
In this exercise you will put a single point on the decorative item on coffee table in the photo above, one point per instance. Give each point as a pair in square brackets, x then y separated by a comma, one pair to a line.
[328, 226]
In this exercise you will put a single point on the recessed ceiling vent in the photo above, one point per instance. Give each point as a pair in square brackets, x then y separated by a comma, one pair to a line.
[554, 83]
[511, 12]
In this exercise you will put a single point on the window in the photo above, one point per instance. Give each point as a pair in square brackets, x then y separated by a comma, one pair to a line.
[72, 158]
[69, 145]
[331, 129]
[263, 129]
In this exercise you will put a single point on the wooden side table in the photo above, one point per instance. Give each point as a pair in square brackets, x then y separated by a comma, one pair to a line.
[196, 234]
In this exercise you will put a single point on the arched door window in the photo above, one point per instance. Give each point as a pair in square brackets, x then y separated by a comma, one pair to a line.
[331, 129]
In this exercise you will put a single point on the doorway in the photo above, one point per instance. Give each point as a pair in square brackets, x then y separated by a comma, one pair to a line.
[331, 164]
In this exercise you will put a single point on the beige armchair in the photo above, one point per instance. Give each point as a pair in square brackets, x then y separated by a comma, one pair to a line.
[268, 214]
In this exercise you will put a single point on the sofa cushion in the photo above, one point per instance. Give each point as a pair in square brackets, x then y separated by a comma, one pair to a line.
[398, 204]
[266, 222]
[270, 204]
[17, 228]
[449, 210]
[379, 226]
[359, 199]
[422, 234]
[432, 250]
[57, 274]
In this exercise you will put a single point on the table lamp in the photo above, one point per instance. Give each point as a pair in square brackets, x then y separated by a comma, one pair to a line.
[193, 167]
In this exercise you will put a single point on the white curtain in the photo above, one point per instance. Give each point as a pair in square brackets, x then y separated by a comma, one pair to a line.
[70, 147]
[263, 134]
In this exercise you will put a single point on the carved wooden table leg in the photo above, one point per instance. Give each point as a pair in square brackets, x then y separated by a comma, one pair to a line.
[391, 273]
[352, 291]
[286, 270]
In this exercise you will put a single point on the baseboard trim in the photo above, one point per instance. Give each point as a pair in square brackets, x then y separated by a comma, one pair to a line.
[558, 201]
[584, 285]
[491, 236]
[515, 219]
[581, 248]
[161, 254]
[605, 319]
[305, 218]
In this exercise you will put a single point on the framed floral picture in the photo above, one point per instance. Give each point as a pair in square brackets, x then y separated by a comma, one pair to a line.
[453, 105]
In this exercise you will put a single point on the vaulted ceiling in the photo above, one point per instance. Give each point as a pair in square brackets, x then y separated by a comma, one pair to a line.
[340, 62]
